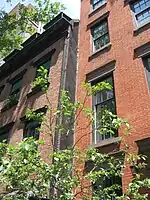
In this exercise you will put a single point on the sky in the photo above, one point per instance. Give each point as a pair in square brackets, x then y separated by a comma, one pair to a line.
[72, 6]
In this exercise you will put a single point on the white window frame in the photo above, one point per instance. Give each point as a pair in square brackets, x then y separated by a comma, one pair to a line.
[135, 14]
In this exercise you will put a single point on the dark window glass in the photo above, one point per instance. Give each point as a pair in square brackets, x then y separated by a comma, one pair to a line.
[97, 3]
[45, 64]
[100, 35]
[147, 69]
[141, 9]
[111, 179]
[16, 87]
[14, 94]
[106, 183]
[32, 129]
[103, 99]
[4, 136]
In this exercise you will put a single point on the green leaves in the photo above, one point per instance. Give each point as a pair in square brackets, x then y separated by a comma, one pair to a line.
[42, 79]
[9, 33]
[68, 107]
[71, 173]
[32, 115]
[24, 21]
[92, 90]
[46, 11]
[22, 169]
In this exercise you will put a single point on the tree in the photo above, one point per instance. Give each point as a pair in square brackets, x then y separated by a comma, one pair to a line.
[26, 20]
[71, 173]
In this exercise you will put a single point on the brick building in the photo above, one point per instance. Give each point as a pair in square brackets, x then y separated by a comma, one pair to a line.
[56, 50]
[114, 47]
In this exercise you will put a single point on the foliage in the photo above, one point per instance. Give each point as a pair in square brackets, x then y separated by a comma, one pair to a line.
[32, 115]
[9, 37]
[25, 21]
[71, 173]
[11, 101]
[42, 79]
[22, 170]
[25, 173]
[92, 90]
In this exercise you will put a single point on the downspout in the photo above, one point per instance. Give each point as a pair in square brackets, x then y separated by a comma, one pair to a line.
[62, 83]
[62, 86]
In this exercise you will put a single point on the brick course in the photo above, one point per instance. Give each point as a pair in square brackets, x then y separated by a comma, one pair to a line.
[131, 88]
[39, 100]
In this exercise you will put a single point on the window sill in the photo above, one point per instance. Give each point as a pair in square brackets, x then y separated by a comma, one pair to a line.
[42, 109]
[8, 106]
[141, 28]
[97, 9]
[35, 90]
[107, 142]
[99, 51]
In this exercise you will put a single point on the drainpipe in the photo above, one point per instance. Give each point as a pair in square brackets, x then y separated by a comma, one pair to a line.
[62, 86]
[62, 83]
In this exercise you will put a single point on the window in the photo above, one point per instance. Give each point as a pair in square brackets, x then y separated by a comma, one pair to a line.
[14, 95]
[107, 182]
[32, 129]
[113, 178]
[41, 80]
[103, 99]
[141, 9]
[16, 87]
[45, 64]
[4, 136]
[97, 3]
[100, 35]
[5, 131]
[147, 68]
[32, 125]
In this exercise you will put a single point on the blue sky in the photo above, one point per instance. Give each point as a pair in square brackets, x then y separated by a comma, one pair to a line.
[72, 6]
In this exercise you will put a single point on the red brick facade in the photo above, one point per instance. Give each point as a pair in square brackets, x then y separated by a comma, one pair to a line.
[59, 42]
[128, 44]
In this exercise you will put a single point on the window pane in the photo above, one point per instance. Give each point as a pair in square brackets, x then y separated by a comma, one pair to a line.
[105, 94]
[141, 9]
[31, 129]
[143, 16]
[16, 86]
[140, 5]
[46, 65]
[100, 42]
[100, 30]
[97, 3]
[110, 81]
[4, 136]
[105, 182]
[109, 105]
[103, 100]
[106, 39]
[100, 35]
